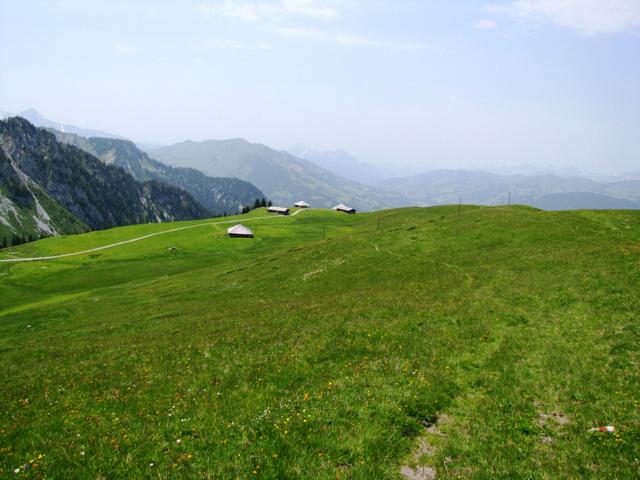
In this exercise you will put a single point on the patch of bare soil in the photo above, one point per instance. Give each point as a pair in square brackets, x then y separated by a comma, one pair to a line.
[552, 419]
[425, 449]
[419, 473]
[552, 422]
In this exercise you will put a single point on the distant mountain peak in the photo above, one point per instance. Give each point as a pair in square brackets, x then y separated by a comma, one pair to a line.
[340, 162]
[31, 112]
[39, 120]
[284, 178]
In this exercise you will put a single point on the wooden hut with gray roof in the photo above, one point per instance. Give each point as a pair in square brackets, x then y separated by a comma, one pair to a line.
[343, 208]
[239, 231]
[278, 210]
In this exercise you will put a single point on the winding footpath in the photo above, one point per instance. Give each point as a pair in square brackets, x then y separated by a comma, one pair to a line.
[137, 239]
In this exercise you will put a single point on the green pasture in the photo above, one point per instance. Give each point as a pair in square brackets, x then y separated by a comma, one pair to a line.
[329, 346]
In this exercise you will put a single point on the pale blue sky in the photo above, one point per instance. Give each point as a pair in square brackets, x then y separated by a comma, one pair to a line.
[434, 83]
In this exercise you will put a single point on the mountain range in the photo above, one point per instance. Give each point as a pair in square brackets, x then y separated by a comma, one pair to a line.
[340, 161]
[50, 188]
[280, 176]
[283, 177]
[549, 192]
[218, 195]
[39, 121]
[224, 175]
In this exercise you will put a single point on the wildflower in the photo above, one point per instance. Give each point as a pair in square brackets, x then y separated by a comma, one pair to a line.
[82, 452]
[17, 470]
[178, 441]
[151, 464]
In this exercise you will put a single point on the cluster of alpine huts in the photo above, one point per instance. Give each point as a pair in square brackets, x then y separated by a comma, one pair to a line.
[240, 231]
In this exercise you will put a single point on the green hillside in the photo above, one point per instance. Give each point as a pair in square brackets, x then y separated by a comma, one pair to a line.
[483, 343]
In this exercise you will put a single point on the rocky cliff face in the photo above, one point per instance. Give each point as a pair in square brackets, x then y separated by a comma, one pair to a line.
[53, 188]
[26, 210]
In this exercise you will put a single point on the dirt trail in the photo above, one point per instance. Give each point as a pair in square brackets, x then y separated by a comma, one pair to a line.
[137, 239]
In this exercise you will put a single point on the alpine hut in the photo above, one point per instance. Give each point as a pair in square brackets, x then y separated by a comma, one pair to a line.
[239, 231]
[301, 204]
[343, 208]
[278, 210]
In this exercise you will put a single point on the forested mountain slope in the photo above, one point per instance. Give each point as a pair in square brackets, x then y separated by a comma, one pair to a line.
[219, 195]
[79, 190]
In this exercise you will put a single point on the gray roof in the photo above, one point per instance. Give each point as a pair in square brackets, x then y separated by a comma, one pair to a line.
[342, 207]
[278, 209]
[239, 230]
[302, 203]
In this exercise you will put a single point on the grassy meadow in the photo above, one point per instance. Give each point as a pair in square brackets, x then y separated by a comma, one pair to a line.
[483, 343]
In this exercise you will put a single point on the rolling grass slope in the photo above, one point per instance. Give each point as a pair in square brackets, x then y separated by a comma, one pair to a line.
[327, 347]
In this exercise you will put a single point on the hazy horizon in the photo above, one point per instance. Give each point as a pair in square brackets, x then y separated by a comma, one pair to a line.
[486, 84]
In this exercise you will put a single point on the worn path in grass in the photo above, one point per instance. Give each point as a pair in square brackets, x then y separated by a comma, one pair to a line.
[137, 239]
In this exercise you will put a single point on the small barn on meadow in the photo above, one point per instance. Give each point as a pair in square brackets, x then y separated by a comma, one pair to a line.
[343, 208]
[278, 210]
[301, 204]
[239, 231]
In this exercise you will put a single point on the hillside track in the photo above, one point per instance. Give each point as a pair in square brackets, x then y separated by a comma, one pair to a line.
[137, 239]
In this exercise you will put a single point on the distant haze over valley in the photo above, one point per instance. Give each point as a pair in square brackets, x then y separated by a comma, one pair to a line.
[325, 178]
[346, 164]
[426, 85]
[340, 161]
